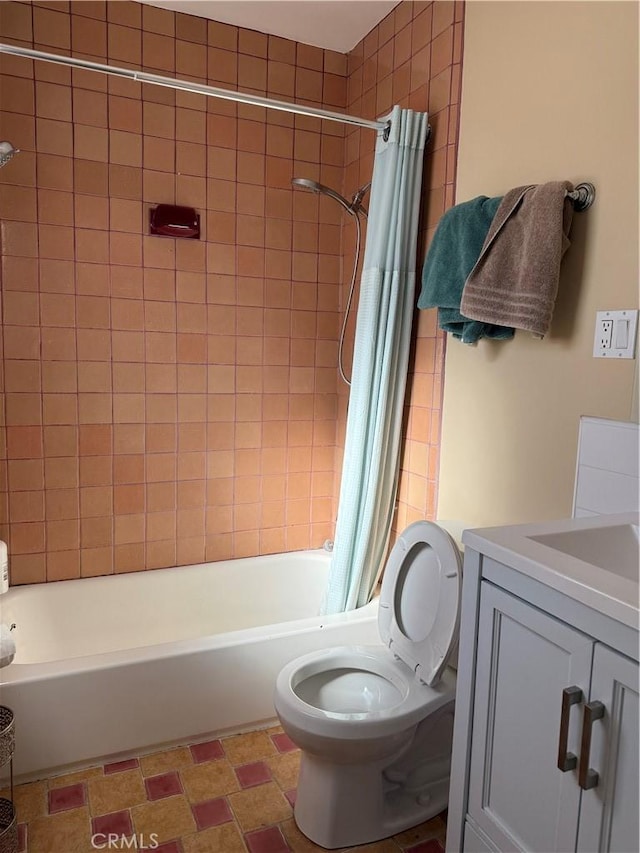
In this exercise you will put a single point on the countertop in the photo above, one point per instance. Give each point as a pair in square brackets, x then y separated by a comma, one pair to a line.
[609, 591]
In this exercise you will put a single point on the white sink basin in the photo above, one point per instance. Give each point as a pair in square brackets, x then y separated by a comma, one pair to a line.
[614, 549]
[594, 560]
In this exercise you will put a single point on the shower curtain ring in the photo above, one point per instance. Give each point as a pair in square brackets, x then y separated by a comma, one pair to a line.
[386, 131]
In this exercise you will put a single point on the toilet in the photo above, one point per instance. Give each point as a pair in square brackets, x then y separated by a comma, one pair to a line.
[375, 723]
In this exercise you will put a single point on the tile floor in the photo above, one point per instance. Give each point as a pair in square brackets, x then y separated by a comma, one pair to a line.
[233, 795]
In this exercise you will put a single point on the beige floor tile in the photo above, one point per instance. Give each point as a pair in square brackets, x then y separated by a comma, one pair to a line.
[74, 778]
[260, 806]
[208, 780]
[30, 800]
[162, 762]
[285, 768]
[275, 730]
[115, 792]
[67, 832]
[434, 828]
[298, 842]
[217, 839]
[387, 845]
[252, 746]
[168, 818]
[124, 844]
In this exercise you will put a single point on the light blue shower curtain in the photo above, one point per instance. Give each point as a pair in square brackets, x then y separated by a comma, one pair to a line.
[381, 354]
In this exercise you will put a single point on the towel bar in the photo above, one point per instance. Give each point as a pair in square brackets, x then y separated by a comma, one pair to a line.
[582, 196]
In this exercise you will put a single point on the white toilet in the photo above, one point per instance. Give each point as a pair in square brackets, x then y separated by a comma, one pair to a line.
[375, 723]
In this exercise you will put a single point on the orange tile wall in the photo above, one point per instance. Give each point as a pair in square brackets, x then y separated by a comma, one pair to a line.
[170, 401]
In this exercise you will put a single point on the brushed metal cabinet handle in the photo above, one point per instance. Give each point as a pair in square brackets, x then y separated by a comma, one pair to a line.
[588, 778]
[567, 760]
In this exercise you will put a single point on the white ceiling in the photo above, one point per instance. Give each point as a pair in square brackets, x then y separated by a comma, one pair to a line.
[333, 24]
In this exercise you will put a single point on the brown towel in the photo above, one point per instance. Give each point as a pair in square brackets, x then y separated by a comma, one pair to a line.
[515, 280]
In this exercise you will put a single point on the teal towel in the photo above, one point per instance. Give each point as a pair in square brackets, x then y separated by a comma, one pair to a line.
[454, 250]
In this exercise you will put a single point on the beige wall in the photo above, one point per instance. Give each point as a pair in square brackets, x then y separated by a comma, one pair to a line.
[550, 92]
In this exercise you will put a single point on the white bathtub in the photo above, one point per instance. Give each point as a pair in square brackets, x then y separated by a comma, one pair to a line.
[110, 666]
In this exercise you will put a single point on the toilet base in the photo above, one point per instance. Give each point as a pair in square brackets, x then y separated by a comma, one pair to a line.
[359, 810]
[344, 805]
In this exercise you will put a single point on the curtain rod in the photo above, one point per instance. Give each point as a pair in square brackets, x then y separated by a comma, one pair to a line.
[197, 88]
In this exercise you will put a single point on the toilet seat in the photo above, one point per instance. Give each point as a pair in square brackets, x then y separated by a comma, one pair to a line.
[419, 608]
[415, 700]
[417, 622]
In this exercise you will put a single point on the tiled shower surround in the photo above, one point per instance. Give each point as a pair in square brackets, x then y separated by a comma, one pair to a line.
[166, 401]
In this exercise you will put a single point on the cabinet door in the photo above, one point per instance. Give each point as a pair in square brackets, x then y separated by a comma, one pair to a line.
[473, 843]
[609, 811]
[525, 659]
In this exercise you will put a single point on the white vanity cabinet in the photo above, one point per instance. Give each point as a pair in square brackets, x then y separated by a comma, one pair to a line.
[545, 754]
[609, 816]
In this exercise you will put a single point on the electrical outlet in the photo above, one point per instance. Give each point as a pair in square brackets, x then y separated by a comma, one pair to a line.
[606, 332]
[615, 334]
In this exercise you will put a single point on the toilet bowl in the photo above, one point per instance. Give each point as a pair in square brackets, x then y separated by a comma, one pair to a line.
[375, 723]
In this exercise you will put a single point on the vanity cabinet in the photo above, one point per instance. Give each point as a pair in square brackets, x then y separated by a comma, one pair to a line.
[546, 733]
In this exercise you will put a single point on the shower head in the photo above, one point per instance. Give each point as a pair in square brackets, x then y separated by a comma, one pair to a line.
[6, 152]
[320, 189]
[353, 207]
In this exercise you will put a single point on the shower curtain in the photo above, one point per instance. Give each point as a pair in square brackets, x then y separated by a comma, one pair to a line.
[381, 353]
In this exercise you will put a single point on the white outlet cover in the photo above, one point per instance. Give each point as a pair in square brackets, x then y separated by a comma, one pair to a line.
[625, 324]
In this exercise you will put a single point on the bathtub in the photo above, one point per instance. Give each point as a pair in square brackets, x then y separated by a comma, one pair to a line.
[111, 666]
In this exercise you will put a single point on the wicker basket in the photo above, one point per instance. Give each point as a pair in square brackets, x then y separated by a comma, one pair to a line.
[7, 735]
[8, 827]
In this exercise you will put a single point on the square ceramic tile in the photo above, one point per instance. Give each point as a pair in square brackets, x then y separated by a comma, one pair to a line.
[169, 818]
[209, 751]
[268, 840]
[431, 846]
[284, 768]
[169, 847]
[117, 823]
[260, 806]
[253, 774]
[207, 781]
[108, 794]
[120, 766]
[243, 749]
[65, 831]
[212, 813]
[161, 762]
[70, 797]
[165, 785]
[224, 838]
[434, 828]
[283, 742]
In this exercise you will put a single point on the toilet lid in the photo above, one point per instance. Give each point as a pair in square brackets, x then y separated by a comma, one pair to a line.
[419, 602]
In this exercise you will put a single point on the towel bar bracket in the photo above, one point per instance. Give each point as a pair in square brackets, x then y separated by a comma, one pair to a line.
[582, 196]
